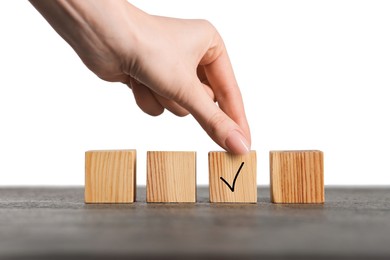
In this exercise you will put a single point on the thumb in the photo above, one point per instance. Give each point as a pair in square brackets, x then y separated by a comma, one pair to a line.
[218, 125]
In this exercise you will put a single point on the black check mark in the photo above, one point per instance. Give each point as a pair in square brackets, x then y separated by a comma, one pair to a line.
[235, 178]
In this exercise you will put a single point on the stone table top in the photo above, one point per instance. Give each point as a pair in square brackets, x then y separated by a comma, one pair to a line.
[54, 223]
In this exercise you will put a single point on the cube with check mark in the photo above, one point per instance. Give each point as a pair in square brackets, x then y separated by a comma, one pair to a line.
[232, 177]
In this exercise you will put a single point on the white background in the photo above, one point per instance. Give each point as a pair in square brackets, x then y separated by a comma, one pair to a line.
[314, 75]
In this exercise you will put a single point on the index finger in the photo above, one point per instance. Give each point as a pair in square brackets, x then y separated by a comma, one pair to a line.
[224, 84]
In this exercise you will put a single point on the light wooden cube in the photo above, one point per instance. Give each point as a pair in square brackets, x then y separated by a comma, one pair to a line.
[297, 176]
[233, 177]
[110, 176]
[171, 177]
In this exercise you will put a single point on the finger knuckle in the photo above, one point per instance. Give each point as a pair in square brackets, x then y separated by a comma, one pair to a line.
[215, 122]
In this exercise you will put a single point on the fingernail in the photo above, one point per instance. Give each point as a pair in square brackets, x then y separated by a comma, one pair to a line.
[237, 143]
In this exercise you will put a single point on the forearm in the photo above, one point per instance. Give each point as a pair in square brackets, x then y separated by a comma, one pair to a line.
[91, 26]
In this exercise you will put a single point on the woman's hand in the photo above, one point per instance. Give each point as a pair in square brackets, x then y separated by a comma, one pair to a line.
[175, 64]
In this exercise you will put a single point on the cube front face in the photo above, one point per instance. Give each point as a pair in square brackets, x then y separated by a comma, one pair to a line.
[233, 178]
[297, 176]
[110, 176]
[171, 177]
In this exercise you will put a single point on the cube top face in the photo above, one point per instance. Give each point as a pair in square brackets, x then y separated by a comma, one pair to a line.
[110, 176]
[295, 151]
[297, 176]
[171, 177]
[233, 178]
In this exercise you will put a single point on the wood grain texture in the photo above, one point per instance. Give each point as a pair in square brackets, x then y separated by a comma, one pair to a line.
[110, 176]
[171, 177]
[226, 165]
[297, 176]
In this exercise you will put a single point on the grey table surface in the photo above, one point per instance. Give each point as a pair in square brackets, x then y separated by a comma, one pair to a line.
[54, 223]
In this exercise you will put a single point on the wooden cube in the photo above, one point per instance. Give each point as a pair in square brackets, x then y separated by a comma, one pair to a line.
[232, 177]
[297, 176]
[110, 176]
[171, 177]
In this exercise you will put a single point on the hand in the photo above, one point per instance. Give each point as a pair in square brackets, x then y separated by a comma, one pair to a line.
[175, 64]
